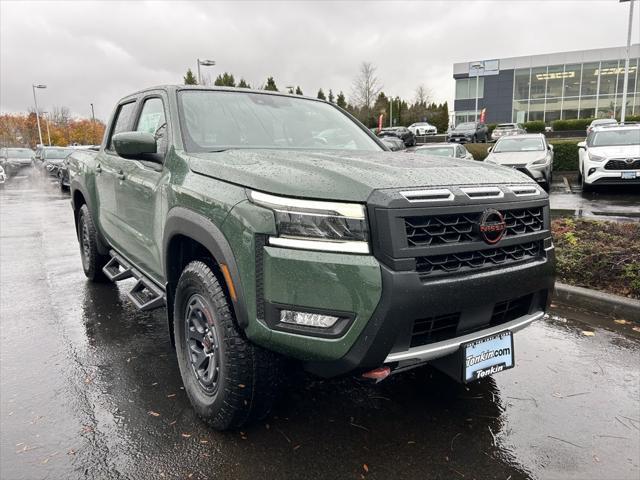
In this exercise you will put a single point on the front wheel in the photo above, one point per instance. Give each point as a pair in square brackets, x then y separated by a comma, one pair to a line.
[92, 261]
[229, 381]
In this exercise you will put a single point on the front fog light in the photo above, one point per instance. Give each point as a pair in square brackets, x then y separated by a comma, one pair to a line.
[308, 319]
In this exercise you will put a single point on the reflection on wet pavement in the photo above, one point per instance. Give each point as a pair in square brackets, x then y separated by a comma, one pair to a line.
[90, 389]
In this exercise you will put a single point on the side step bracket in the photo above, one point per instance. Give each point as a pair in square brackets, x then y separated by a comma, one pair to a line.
[145, 294]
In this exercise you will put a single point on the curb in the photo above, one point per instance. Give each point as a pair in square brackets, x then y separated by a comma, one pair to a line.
[605, 303]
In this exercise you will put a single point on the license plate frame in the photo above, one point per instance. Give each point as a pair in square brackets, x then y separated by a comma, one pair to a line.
[629, 175]
[474, 350]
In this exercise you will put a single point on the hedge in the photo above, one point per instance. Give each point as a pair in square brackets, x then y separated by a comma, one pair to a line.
[575, 124]
[565, 153]
[534, 127]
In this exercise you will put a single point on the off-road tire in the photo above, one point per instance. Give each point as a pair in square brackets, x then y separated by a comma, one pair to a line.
[92, 260]
[249, 376]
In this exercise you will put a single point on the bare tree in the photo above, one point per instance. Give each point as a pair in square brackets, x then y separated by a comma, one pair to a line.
[366, 88]
[423, 95]
[60, 116]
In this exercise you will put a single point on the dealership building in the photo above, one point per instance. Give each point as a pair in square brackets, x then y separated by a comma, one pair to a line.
[579, 84]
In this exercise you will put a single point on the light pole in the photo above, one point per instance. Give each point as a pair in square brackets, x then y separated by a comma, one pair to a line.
[33, 87]
[477, 66]
[626, 63]
[204, 63]
[93, 126]
[46, 117]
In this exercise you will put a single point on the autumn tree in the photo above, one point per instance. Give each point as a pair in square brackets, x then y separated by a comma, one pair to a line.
[189, 78]
[271, 85]
[225, 80]
[321, 95]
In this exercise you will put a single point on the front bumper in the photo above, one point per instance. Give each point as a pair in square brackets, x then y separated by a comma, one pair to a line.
[602, 176]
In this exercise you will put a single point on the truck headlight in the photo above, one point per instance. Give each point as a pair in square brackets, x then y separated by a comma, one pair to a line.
[316, 225]
[541, 161]
[595, 158]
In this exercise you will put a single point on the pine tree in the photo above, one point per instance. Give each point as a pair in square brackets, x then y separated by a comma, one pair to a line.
[321, 95]
[341, 101]
[243, 84]
[271, 85]
[225, 80]
[331, 98]
[299, 91]
[189, 78]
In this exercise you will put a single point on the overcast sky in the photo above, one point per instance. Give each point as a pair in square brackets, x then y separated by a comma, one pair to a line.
[100, 51]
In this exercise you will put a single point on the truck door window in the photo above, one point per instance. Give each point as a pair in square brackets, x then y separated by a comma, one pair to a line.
[152, 120]
[122, 123]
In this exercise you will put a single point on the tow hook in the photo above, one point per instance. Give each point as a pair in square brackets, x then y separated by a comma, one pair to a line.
[377, 374]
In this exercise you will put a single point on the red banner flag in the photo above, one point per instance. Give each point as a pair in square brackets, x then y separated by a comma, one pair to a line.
[483, 114]
[380, 122]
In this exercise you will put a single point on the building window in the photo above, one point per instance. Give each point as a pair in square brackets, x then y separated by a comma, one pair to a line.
[538, 82]
[466, 88]
[521, 83]
[590, 78]
[572, 78]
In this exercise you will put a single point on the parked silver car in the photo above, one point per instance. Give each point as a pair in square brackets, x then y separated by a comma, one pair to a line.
[443, 150]
[530, 154]
[506, 129]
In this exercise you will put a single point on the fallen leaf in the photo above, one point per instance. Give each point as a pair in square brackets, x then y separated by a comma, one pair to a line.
[596, 459]
[587, 333]
[186, 435]
[622, 322]
[296, 447]
[204, 441]
[154, 414]
[241, 385]
[635, 329]
[366, 468]
[171, 395]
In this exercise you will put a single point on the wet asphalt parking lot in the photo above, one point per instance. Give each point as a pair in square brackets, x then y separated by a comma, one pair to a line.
[89, 388]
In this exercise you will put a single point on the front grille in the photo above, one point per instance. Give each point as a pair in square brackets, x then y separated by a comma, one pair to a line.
[621, 164]
[459, 228]
[479, 259]
[443, 327]
[510, 310]
[434, 329]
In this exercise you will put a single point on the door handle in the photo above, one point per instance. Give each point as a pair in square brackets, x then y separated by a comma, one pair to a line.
[120, 175]
[98, 168]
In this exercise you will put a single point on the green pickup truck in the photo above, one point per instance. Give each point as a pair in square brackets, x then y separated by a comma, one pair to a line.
[276, 228]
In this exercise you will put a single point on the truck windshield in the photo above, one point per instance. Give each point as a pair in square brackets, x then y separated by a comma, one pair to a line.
[519, 145]
[219, 120]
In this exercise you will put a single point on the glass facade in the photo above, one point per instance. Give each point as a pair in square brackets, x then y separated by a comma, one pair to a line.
[466, 88]
[578, 90]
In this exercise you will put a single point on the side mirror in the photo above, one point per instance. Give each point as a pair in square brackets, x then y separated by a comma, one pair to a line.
[582, 145]
[550, 147]
[134, 144]
[489, 149]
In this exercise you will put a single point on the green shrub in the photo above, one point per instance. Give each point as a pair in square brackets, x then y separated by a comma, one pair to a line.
[631, 118]
[573, 124]
[491, 127]
[565, 155]
[534, 127]
[478, 150]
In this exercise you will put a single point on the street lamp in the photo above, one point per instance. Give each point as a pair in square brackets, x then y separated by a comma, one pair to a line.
[626, 62]
[33, 87]
[477, 66]
[46, 117]
[204, 63]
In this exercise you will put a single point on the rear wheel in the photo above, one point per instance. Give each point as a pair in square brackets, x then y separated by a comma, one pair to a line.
[229, 381]
[92, 261]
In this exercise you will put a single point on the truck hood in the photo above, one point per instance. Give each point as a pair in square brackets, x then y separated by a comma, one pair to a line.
[344, 175]
[617, 151]
[515, 158]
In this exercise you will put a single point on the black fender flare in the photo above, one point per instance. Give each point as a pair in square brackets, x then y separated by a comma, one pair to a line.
[103, 247]
[185, 222]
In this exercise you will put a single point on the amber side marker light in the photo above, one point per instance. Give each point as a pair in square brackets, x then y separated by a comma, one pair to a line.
[227, 278]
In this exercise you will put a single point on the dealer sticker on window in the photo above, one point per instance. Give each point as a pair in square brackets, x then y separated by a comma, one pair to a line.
[486, 356]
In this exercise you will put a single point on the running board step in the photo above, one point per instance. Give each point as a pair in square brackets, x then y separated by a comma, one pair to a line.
[145, 294]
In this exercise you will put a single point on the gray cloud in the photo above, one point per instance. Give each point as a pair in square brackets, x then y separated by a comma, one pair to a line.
[100, 51]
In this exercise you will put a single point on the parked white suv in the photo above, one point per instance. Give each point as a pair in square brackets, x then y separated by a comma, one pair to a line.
[423, 128]
[610, 156]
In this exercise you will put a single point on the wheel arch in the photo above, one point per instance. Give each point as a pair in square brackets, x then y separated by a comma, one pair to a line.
[190, 236]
